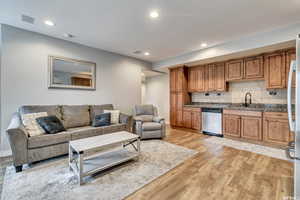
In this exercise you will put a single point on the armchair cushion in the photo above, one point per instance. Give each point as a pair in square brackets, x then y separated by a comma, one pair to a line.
[144, 110]
[151, 126]
[144, 118]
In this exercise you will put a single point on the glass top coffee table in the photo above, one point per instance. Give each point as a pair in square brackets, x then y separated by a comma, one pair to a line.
[84, 161]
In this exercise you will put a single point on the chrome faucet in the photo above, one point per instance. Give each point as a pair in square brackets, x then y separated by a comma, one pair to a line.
[246, 99]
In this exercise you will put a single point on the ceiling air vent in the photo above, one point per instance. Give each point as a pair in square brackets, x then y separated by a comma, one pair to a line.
[27, 19]
[137, 52]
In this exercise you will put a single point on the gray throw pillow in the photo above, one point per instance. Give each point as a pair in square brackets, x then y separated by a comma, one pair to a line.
[51, 124]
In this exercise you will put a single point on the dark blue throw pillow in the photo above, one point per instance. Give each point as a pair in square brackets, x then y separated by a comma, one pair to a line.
[101, 120]
[51, 124]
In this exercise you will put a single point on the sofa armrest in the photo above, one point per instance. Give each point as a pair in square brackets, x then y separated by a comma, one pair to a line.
[158, 119]
[18, 139]
[126, 119]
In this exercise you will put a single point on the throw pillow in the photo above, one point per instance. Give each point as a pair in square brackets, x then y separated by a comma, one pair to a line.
[31, 125]
[51, 124]
[114, 117]
[102, 120]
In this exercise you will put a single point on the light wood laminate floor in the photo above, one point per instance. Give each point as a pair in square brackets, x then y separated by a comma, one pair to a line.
[216, 172]
[220, 173]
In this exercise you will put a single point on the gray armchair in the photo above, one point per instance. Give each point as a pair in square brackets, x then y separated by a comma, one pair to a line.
[146, 122]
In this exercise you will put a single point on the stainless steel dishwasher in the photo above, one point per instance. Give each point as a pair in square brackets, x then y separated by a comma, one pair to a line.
[212, 121]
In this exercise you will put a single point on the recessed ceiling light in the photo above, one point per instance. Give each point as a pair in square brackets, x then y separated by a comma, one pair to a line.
[49, 22]
[146, 53]
[203, 45]
[68, 35]
[154, 14]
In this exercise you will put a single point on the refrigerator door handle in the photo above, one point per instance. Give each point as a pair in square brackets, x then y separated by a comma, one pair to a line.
[289, 96]
[291, 150]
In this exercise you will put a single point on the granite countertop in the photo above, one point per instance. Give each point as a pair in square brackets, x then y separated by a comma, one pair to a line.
[240, 106]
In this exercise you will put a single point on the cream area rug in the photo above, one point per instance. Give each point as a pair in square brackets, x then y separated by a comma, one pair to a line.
[52, 179]
[259, 149]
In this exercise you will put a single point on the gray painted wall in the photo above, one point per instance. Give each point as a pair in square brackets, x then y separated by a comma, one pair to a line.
[24, 75]
[157, 93]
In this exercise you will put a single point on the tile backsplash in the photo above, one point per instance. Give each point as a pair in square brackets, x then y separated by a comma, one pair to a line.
[237, 91]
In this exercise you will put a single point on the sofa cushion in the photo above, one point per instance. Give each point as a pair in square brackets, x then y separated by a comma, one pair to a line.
[48, 139]
[144, 110]
[151, 126]
[51, 110]
[114, 128]
[84, 132]
[75, 116]
[98, 109]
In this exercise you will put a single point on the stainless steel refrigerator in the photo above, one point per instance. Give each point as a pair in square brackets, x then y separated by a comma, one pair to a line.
[294, 147]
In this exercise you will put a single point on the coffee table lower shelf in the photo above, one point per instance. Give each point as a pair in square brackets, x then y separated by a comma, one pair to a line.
[99, 162]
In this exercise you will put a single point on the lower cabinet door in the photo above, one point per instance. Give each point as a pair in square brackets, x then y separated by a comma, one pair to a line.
[277, 131]
[196, 121]
[251, 128]
[173, 117]
[179, 120]
[187, 119]
[231, 125]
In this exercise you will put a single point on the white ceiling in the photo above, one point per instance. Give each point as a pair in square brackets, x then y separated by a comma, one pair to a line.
[124, 26]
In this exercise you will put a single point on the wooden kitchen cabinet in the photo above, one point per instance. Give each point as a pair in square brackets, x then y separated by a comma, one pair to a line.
[192, 118]
[243, 124]
[276, 129]
[290, 55]
[253, 68]
[196, 79]
[177, 101]
[178, 79]
[196, 120]
[210, 78]
[220, 83]
[234, 70]
[187, 118]
[232, 125]
[251, 128]
[275, 70]
[178, 95]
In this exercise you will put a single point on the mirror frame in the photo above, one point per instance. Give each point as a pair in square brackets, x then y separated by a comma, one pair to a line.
[50, 74]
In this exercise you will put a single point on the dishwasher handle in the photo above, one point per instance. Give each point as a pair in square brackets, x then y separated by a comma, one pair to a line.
[212, 110]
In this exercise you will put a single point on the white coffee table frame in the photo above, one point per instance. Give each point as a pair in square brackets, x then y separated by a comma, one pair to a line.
[84, 165]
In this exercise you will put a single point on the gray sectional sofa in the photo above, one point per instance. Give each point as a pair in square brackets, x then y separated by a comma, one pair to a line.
[75, 118]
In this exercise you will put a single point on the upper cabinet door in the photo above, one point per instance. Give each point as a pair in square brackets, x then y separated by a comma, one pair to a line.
[220, 77]
[254, 68]
[200, 79]
[173, 77]
[210, 78]
[179, 80]
[234, 70]
[290, 55]
[275, 74]
[192, 79]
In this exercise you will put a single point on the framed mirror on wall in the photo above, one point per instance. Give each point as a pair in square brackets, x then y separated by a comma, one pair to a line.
[71, 73]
